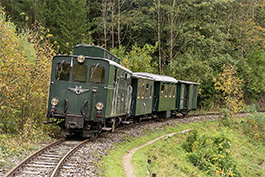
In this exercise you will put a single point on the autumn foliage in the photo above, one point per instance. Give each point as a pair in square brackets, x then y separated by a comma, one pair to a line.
[231, 88]
[24, 75]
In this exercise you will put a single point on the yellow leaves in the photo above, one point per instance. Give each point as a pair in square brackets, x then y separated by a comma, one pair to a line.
[230, 85]
[24, 71]
[49, 35]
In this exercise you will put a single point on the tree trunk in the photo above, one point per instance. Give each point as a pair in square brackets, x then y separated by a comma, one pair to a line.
[119, 23]
[104, 10]
[159, 36]
[171, 31]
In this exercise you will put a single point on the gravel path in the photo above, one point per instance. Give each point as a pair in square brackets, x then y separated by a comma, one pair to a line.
[127, 165]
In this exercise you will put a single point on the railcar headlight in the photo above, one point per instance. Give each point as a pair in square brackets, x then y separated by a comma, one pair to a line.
[81, 59]
[99, 106]
[54, 101]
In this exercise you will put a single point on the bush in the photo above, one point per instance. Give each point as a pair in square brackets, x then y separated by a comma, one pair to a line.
[255, 126]
[211, 153]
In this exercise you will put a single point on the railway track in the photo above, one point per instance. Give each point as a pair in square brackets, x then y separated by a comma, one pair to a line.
[53, 160]
[47, 161]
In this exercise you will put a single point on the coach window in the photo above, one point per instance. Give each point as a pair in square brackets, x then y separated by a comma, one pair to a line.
[151, 90]
[139, 90]
[147, 91]
[162, 90]
[170, 91]
[80, 73]
[143, 91]
[166, 90]
[174, 91]
[62, 71]
[97, 74]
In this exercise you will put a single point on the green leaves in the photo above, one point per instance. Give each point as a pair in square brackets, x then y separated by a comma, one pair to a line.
[24, 71]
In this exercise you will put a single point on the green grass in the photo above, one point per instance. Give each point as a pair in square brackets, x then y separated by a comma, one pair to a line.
[169, 158]
[111, 165]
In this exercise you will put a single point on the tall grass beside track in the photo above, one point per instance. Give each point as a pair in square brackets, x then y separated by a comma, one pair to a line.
[210, 149]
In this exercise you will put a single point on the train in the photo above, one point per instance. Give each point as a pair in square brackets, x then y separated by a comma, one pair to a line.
[90, 92]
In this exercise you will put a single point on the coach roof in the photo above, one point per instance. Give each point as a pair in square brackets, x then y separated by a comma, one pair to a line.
[156, 77]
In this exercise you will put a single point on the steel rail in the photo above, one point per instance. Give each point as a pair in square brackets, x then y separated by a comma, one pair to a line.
[59, 165]
[14, 169]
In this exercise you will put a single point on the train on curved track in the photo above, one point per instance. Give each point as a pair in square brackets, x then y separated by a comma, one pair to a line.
[91, 92]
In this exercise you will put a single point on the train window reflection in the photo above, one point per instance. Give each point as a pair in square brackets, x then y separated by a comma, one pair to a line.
[62, 71]
[97, 74]
[80, 73]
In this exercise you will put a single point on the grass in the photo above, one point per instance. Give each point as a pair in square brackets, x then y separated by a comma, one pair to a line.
[169, 158]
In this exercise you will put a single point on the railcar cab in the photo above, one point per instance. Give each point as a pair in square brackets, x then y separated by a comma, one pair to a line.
[186, 96]
[82, 87]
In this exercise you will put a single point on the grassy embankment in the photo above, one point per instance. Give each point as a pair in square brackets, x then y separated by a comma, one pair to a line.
[210, 149]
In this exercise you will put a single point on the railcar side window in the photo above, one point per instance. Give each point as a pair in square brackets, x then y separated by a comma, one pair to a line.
[147, 91]
[166, 91]
[170, 91]
[174, 91]
[151, 90]
[80, 73]
[162, 90]
[143, 91]
[97, 74]
[62, 71]
[139, 90]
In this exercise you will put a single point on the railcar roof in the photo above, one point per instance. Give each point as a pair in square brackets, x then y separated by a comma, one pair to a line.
[135, 75]
[97, 58]
[156, 77]
[91, 46]
[188, 82]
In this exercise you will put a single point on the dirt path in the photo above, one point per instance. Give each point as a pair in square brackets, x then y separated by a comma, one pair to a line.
[127, 165]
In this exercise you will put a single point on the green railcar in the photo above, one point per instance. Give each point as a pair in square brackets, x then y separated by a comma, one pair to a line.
[88, 93]
[142, 95]
[186, 96]
[164, 97]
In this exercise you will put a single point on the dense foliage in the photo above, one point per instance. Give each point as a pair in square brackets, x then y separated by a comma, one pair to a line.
[211, 153]
[193, 38]
[24, 76]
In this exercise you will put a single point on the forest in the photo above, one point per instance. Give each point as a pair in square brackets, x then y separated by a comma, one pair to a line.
[218, 43]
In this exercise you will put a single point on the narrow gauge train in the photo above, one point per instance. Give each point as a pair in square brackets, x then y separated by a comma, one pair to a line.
[90, 91]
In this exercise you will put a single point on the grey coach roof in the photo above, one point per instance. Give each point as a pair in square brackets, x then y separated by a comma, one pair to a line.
[156, 77]
[188, 82]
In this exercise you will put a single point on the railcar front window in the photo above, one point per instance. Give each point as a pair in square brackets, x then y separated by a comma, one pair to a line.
[62, 71]
[80, 73]
[97, 74]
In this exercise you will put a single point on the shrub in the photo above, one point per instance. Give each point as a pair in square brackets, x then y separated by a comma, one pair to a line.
[255, 126]
[211, 153]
